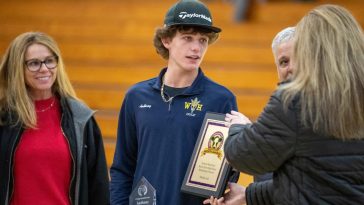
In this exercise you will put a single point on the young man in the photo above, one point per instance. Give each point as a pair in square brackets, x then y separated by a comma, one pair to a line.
[160, 118]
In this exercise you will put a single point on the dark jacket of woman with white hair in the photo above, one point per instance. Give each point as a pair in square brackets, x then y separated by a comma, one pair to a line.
[308, 167]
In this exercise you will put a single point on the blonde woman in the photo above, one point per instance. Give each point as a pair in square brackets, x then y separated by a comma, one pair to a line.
[311, 133]
[51, 147]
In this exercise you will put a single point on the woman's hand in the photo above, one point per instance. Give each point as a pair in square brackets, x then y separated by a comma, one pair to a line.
[236, 118]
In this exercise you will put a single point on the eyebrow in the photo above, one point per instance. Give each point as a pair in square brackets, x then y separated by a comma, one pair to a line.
[40, 59]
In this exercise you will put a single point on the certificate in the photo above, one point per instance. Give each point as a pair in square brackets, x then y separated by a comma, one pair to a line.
[208, 170]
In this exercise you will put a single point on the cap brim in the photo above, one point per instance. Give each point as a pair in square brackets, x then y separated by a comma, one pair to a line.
[211, 28]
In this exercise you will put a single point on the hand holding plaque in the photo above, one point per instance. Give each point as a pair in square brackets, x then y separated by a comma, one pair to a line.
[208, 170]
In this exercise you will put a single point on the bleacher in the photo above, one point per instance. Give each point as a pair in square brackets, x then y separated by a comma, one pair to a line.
[107, 47]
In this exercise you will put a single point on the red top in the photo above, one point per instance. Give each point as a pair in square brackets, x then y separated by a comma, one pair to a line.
[42, 160]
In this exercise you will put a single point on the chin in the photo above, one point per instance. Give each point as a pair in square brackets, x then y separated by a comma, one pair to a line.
[193, 66]
[44, 88]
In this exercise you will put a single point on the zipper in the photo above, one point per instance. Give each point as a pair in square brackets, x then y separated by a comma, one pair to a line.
[11, 168]
[169, 105]
[73, 161]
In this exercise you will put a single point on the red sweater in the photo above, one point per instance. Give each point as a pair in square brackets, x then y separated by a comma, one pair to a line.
[42, 160]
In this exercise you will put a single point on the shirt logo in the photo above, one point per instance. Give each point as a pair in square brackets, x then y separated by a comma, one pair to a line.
[193, 106]
[184, 15]
[144, 106]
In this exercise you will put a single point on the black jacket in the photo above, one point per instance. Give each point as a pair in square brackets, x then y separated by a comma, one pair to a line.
[308, 168]
[90, 182]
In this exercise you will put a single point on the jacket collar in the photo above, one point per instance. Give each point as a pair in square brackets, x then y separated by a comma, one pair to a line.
[80, 111]
[196, 87]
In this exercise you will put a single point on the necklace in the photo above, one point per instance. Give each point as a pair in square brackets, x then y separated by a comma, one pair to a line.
[162, 93]
[47, 108]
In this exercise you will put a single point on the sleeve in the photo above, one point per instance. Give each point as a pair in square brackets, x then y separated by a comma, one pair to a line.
[263, 177]
[98, 179]
[265, 145]
[260, 193]
[230, 104]
[124, 163]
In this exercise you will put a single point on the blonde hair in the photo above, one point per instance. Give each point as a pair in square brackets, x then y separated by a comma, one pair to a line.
[14, 96]
[329, 72]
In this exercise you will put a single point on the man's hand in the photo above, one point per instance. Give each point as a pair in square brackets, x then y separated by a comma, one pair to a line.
[235, 196]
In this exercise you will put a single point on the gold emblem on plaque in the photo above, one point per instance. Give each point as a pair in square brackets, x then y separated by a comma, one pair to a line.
[214, 145]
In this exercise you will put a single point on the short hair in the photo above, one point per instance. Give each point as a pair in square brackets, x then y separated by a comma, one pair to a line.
[170, 32]
[282, 37]
[14, 95]
[329, 60]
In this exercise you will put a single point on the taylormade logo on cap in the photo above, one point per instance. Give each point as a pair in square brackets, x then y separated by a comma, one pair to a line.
[184, 15]
[190, 13]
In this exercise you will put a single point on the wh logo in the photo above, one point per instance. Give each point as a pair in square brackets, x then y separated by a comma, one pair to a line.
[194, 105]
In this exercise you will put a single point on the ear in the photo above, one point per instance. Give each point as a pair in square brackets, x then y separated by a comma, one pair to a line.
[166, 42]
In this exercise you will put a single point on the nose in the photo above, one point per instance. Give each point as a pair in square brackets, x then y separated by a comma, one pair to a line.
[196, 46]
[43, 67]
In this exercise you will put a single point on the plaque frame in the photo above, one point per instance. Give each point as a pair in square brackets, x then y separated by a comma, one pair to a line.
[212, 123]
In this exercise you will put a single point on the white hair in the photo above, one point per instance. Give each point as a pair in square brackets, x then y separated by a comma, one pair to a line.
[282, 37]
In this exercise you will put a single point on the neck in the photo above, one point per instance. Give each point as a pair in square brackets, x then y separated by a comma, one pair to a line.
[41, 95]
[178, 79]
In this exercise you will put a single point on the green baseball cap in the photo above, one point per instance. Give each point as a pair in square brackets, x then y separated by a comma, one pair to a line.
[190, 13]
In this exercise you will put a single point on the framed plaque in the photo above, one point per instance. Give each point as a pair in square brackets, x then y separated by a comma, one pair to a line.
[208, 170]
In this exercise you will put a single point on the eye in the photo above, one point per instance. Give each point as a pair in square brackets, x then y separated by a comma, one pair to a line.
[33, 63]
[50, 60]
[283, 62]
[203, 40]
[187, 38]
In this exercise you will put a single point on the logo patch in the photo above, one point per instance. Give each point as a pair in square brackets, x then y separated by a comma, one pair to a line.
[193, 106]
[214, 145]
